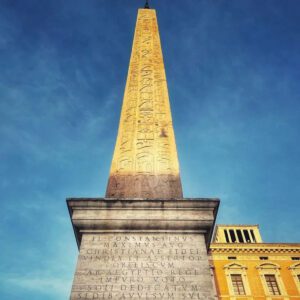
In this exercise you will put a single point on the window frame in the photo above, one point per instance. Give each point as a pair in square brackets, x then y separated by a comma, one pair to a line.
[295, 270]
[269, 268]
[238, 285]
[237, 269]
[272, 284]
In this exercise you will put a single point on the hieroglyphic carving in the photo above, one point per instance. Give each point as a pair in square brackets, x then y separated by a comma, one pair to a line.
[142, 266]
[145, 162]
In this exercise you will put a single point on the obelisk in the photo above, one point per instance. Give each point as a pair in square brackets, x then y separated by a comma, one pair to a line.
[144, 240]
[145, 163]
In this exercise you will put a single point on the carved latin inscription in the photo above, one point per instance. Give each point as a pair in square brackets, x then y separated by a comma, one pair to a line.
[140, 266]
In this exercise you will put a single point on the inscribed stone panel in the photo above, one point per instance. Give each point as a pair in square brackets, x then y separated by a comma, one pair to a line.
[142, 266]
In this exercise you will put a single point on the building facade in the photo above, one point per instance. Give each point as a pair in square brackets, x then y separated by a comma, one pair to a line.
[245, 267]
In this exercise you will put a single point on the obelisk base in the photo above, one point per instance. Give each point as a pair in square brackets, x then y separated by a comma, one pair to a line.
[143, 249]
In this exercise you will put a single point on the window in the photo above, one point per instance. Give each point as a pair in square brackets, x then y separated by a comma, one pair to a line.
[232, 235]
[295, 258]
[237, 281]
[237, 284]
[253, 236]
[272, 284]
[295, 270]
[247, 236]
[263, 258]
[240, 236]
[231, 257]
[271, 279]
[226, 236]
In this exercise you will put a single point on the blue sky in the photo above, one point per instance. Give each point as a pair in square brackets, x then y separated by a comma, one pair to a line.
[233, 70]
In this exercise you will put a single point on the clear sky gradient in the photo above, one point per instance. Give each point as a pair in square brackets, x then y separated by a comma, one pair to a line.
[233, 71]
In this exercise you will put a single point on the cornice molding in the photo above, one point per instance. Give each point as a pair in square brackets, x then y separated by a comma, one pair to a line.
[255, 248]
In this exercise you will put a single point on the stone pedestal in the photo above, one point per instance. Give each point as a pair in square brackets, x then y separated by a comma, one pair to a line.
[143, 249]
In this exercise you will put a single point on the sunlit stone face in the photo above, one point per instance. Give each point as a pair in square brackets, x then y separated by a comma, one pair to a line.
[145, 163]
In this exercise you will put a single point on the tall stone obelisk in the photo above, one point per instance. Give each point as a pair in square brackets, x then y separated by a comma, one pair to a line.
[145, 163]
[144, 240]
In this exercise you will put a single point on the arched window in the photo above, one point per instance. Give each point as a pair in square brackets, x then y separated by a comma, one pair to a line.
[295, 270]
[271, 279]
[236, 275]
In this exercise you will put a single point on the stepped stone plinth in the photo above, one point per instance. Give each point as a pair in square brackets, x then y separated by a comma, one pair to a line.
[143, 249]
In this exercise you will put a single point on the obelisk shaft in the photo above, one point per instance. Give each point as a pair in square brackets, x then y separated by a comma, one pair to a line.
[145, 163]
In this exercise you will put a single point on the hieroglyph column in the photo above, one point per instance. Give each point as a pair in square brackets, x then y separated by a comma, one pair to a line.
[145, 162]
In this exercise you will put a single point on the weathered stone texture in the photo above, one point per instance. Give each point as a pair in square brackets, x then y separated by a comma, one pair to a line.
[142, 266]
[145, 163]
[143, 249]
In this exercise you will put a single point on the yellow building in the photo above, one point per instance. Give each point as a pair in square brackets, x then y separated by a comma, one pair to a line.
[245, 267]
